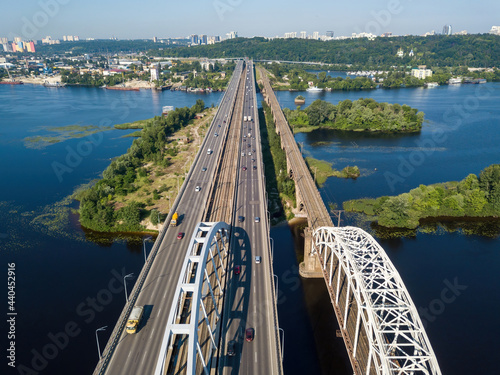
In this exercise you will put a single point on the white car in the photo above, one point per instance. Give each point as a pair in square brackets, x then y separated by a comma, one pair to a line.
[198, 188]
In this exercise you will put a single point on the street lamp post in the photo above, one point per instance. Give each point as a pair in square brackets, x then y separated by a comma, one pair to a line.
[282, 343]
[125, 284]
[144, 246]
[277, 287]
[97, 340]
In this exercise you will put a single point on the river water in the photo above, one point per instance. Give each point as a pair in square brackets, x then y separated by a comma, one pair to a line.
[70, 283]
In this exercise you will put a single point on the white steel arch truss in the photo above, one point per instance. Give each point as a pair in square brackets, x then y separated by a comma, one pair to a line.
[398, 343]
[208, 243]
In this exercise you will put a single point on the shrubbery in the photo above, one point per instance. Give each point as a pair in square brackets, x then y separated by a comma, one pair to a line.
[360, 115]
[97, 209]
[473, 197]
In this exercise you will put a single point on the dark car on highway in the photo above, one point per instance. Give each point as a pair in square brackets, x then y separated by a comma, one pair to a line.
[249, 334]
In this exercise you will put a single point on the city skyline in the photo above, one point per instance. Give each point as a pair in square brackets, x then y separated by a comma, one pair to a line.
[161, 19]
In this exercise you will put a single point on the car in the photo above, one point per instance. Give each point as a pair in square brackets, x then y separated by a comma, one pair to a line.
[204, 169]
[249, 153]
[216, 135]
[244, 136]
[180, 236]
[254, 167]
[249, 145]
[242, 154]
[219, 125]
[241, 219]
[249, 334]
[198, 188]
[253, 150]
[258, 259]
[244, 140]
[253, 160]
[237, 270]
[244, 168]
[231, 348]
[257, 219]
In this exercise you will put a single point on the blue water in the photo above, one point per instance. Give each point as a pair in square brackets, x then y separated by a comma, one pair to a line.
[60, 269]
[461, 135]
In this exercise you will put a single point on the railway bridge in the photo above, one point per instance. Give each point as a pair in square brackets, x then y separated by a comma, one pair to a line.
[380, 325]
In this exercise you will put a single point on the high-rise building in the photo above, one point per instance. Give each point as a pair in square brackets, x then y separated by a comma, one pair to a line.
[329, 34]
[194, 39]
[316, 35]
[17, 39]
[4, 40]
[303, 35]
[155, 39]
[232, 34]
[155, 72]
[447, 30]
[203, 39]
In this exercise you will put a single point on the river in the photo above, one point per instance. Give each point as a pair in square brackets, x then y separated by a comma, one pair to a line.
[69, 283]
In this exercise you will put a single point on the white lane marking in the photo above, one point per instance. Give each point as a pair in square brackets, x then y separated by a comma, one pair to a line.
[255, 357]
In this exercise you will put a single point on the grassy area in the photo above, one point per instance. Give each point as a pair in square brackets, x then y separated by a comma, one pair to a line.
[60, 134]
[132, 125]
[321, 170]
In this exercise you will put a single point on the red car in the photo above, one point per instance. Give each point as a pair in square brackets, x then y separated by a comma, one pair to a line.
[237, 270]
[180, 235]
[249, 334]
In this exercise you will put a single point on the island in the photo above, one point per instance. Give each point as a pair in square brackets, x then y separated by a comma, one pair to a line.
[137, 189]
[473, 197]
[359, 115]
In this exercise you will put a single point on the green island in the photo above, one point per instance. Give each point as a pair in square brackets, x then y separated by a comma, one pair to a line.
[360, 115]
[321, 170]
[137, 188]
[279, 185]
[62, 133]
[473, 197]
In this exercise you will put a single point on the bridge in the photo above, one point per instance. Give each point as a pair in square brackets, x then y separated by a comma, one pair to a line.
[381, 328]
[209, 299]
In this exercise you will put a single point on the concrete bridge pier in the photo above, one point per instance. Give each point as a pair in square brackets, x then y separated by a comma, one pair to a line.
[311, 266]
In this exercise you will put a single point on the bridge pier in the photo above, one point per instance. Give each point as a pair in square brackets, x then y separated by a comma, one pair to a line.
[310, 267]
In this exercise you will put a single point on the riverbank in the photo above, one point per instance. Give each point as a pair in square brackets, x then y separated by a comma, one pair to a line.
[138, 188]
[473, 197]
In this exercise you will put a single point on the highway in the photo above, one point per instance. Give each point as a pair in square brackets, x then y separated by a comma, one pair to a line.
[138, 353]
[250, 298]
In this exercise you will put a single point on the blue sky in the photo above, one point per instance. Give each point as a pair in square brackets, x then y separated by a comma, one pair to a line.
[127, 19]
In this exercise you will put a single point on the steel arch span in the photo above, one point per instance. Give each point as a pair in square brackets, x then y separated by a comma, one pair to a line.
[195, 290]
[373, 297]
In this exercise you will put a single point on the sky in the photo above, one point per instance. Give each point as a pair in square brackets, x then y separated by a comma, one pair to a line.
[127, 19]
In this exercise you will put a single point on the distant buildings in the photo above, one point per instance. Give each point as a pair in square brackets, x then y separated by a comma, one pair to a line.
[495, 30]
[329, 34]
[316, 35]
[447, 30]
[421, 72]
[155, 71]
[232, 35]
[303, 35]
[71, 38]
[49, 40]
